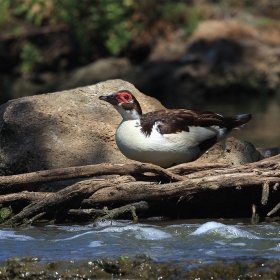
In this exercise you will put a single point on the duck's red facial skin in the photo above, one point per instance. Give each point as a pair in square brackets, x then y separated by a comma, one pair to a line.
[123, 97]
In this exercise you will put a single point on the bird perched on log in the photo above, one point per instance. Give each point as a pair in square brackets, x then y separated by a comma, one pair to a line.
[171, 136]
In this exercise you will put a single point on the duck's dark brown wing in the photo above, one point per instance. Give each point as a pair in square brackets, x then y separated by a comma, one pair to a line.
[177, 120]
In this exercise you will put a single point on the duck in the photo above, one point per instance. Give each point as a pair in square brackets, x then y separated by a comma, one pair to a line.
[171, 136]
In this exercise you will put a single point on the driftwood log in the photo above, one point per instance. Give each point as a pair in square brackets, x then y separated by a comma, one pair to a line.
[137, 189]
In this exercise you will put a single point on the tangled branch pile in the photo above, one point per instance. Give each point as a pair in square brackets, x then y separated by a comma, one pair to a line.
[131, 189]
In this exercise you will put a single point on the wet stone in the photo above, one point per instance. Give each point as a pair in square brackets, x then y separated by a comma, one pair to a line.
[136, 267]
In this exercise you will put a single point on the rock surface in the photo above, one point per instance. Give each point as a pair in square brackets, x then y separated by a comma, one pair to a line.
[63, 129]
[232, 152]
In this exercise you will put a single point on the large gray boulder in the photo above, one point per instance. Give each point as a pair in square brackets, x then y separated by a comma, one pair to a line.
[232, 152]
[63, 129]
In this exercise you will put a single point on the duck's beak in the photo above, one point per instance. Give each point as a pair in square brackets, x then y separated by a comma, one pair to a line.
[109, 98]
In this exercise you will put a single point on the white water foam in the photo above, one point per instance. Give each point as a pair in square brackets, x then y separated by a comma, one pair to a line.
[72, 237]
[276, 248]
[239, 244]
[140, 232]
[11, 235]
[223, 231]
[152, 234]
[73, 228]
[96, 244]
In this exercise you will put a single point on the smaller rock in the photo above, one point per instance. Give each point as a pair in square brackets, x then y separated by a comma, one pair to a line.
[233, 152]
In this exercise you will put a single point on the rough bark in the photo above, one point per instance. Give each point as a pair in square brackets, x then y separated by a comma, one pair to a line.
[23, 196]
[150, 191]
[52, 202]
[11, 183]
[191, 167]
[105, 214]
[126, 189]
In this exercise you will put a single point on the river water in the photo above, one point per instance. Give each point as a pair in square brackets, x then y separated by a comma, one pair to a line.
[188, 243]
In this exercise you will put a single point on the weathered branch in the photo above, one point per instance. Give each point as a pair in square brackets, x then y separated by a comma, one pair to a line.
[101, 214]
[265, 193]
[25, 196]
[11, 183]
[15, 181]
[274, 210]
[192, 167]
[87, 203]
[126, 189]
[255, 216]
[275, 186]
[76, 192]
[132, 208]
[33, 219]
[150, 191]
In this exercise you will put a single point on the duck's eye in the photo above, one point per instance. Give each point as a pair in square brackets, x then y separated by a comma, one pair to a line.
[126, 97]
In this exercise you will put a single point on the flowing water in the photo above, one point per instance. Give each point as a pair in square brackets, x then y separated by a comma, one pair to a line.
[188, 243]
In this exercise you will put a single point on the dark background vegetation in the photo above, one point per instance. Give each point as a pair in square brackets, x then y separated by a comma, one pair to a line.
[60, 35]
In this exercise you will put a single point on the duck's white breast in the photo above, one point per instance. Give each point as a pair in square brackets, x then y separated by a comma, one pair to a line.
[164, 150]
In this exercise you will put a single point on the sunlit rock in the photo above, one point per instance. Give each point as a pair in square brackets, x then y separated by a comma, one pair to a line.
[63, 129]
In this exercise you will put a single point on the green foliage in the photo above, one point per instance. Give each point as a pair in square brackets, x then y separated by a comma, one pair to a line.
[30, 56]
[101, 20]
[173, 10]
[4, 16]
[113, 25]
[34, 11]
[98, 28]
[123, 258]
[196, 15]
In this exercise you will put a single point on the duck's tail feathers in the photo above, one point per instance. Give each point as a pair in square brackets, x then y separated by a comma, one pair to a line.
[238, 121]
